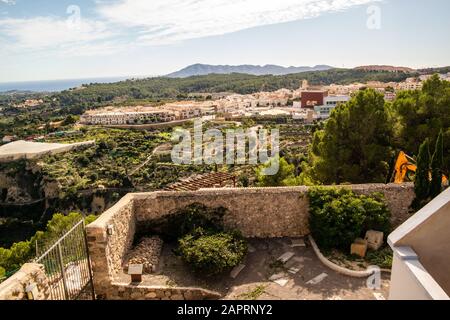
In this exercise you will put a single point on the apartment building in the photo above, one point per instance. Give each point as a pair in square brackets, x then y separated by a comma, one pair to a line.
[123, 118]
[409, 85]
[338, 89]
[329, 103]
[310, 99]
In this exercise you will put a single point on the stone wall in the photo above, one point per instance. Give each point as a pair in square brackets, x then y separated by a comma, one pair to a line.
[14, 288]
[109, 239]
[256, 212]
[265, 212]
[121, 291]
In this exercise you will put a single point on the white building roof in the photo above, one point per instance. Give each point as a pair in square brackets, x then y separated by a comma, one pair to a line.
[28, 150]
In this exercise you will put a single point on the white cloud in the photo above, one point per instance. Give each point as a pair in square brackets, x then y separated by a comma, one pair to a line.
[10, 2]
[124, 24]
[168, 21]
[57, 36]
[48, 32]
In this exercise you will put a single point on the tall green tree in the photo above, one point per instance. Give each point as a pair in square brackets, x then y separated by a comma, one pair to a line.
[285, 172]
[423, 114]
[355, 145]
[422, 179]
[437, 163]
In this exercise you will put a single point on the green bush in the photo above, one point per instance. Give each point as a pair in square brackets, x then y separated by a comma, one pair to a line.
[338, 216]
[382, 258]
[185, 221]
[212, 253]
[20, 252]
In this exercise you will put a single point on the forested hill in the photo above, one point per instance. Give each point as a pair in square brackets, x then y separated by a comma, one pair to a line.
[205, 69]
[174, 88]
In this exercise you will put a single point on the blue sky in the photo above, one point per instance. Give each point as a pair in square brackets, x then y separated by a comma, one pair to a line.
[49, 39]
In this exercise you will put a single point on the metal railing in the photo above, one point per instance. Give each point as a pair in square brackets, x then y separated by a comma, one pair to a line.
[67, 266]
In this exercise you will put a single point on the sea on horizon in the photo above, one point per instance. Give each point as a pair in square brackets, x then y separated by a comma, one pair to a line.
[54, 85]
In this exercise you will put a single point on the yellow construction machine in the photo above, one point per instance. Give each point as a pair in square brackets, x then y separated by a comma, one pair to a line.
[405, 169]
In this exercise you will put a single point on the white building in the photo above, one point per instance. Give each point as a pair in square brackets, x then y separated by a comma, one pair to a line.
[421, 245]
[409, 86]
[123, 118]
[329, 103]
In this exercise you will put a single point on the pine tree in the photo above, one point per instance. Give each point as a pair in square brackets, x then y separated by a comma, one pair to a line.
[437, 163]
[422, 180]
[352, 148]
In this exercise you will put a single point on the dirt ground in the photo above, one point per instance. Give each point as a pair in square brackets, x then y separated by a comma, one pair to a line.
[254, 282]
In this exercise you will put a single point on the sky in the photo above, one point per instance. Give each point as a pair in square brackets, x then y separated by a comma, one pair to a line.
[70, 39]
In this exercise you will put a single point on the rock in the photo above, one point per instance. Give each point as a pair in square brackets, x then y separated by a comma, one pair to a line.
[374, 239]
[359, 248]
[177, 297]
[147, 253]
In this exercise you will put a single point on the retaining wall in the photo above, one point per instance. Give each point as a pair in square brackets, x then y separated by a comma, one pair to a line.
[31, 274]
[256, 212]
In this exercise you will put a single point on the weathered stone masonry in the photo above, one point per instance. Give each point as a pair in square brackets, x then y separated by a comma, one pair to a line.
[14, 288]
[256, 212]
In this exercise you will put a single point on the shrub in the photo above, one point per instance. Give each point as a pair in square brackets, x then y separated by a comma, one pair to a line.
[186, 220]
[20, 252]
[382, 258]
[338, 216]
[11, 259]
[212, 253]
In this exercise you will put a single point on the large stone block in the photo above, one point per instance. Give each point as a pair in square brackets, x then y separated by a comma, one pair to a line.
[359, 248]
[374, 239]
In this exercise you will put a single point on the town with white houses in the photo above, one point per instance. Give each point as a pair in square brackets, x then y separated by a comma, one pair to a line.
[261, 153]
[306, 104]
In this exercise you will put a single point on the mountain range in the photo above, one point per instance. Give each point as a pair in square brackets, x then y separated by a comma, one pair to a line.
[205, 69]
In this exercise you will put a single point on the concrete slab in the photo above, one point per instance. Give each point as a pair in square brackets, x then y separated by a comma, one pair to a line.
[277, 276]
[300, 242]
[282, 282]
[236, 270]
[285, 257]
[317, 279]
[295, 270]
[379, 296]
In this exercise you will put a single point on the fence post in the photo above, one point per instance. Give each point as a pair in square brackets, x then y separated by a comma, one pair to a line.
[63, 272]
[88, 257]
